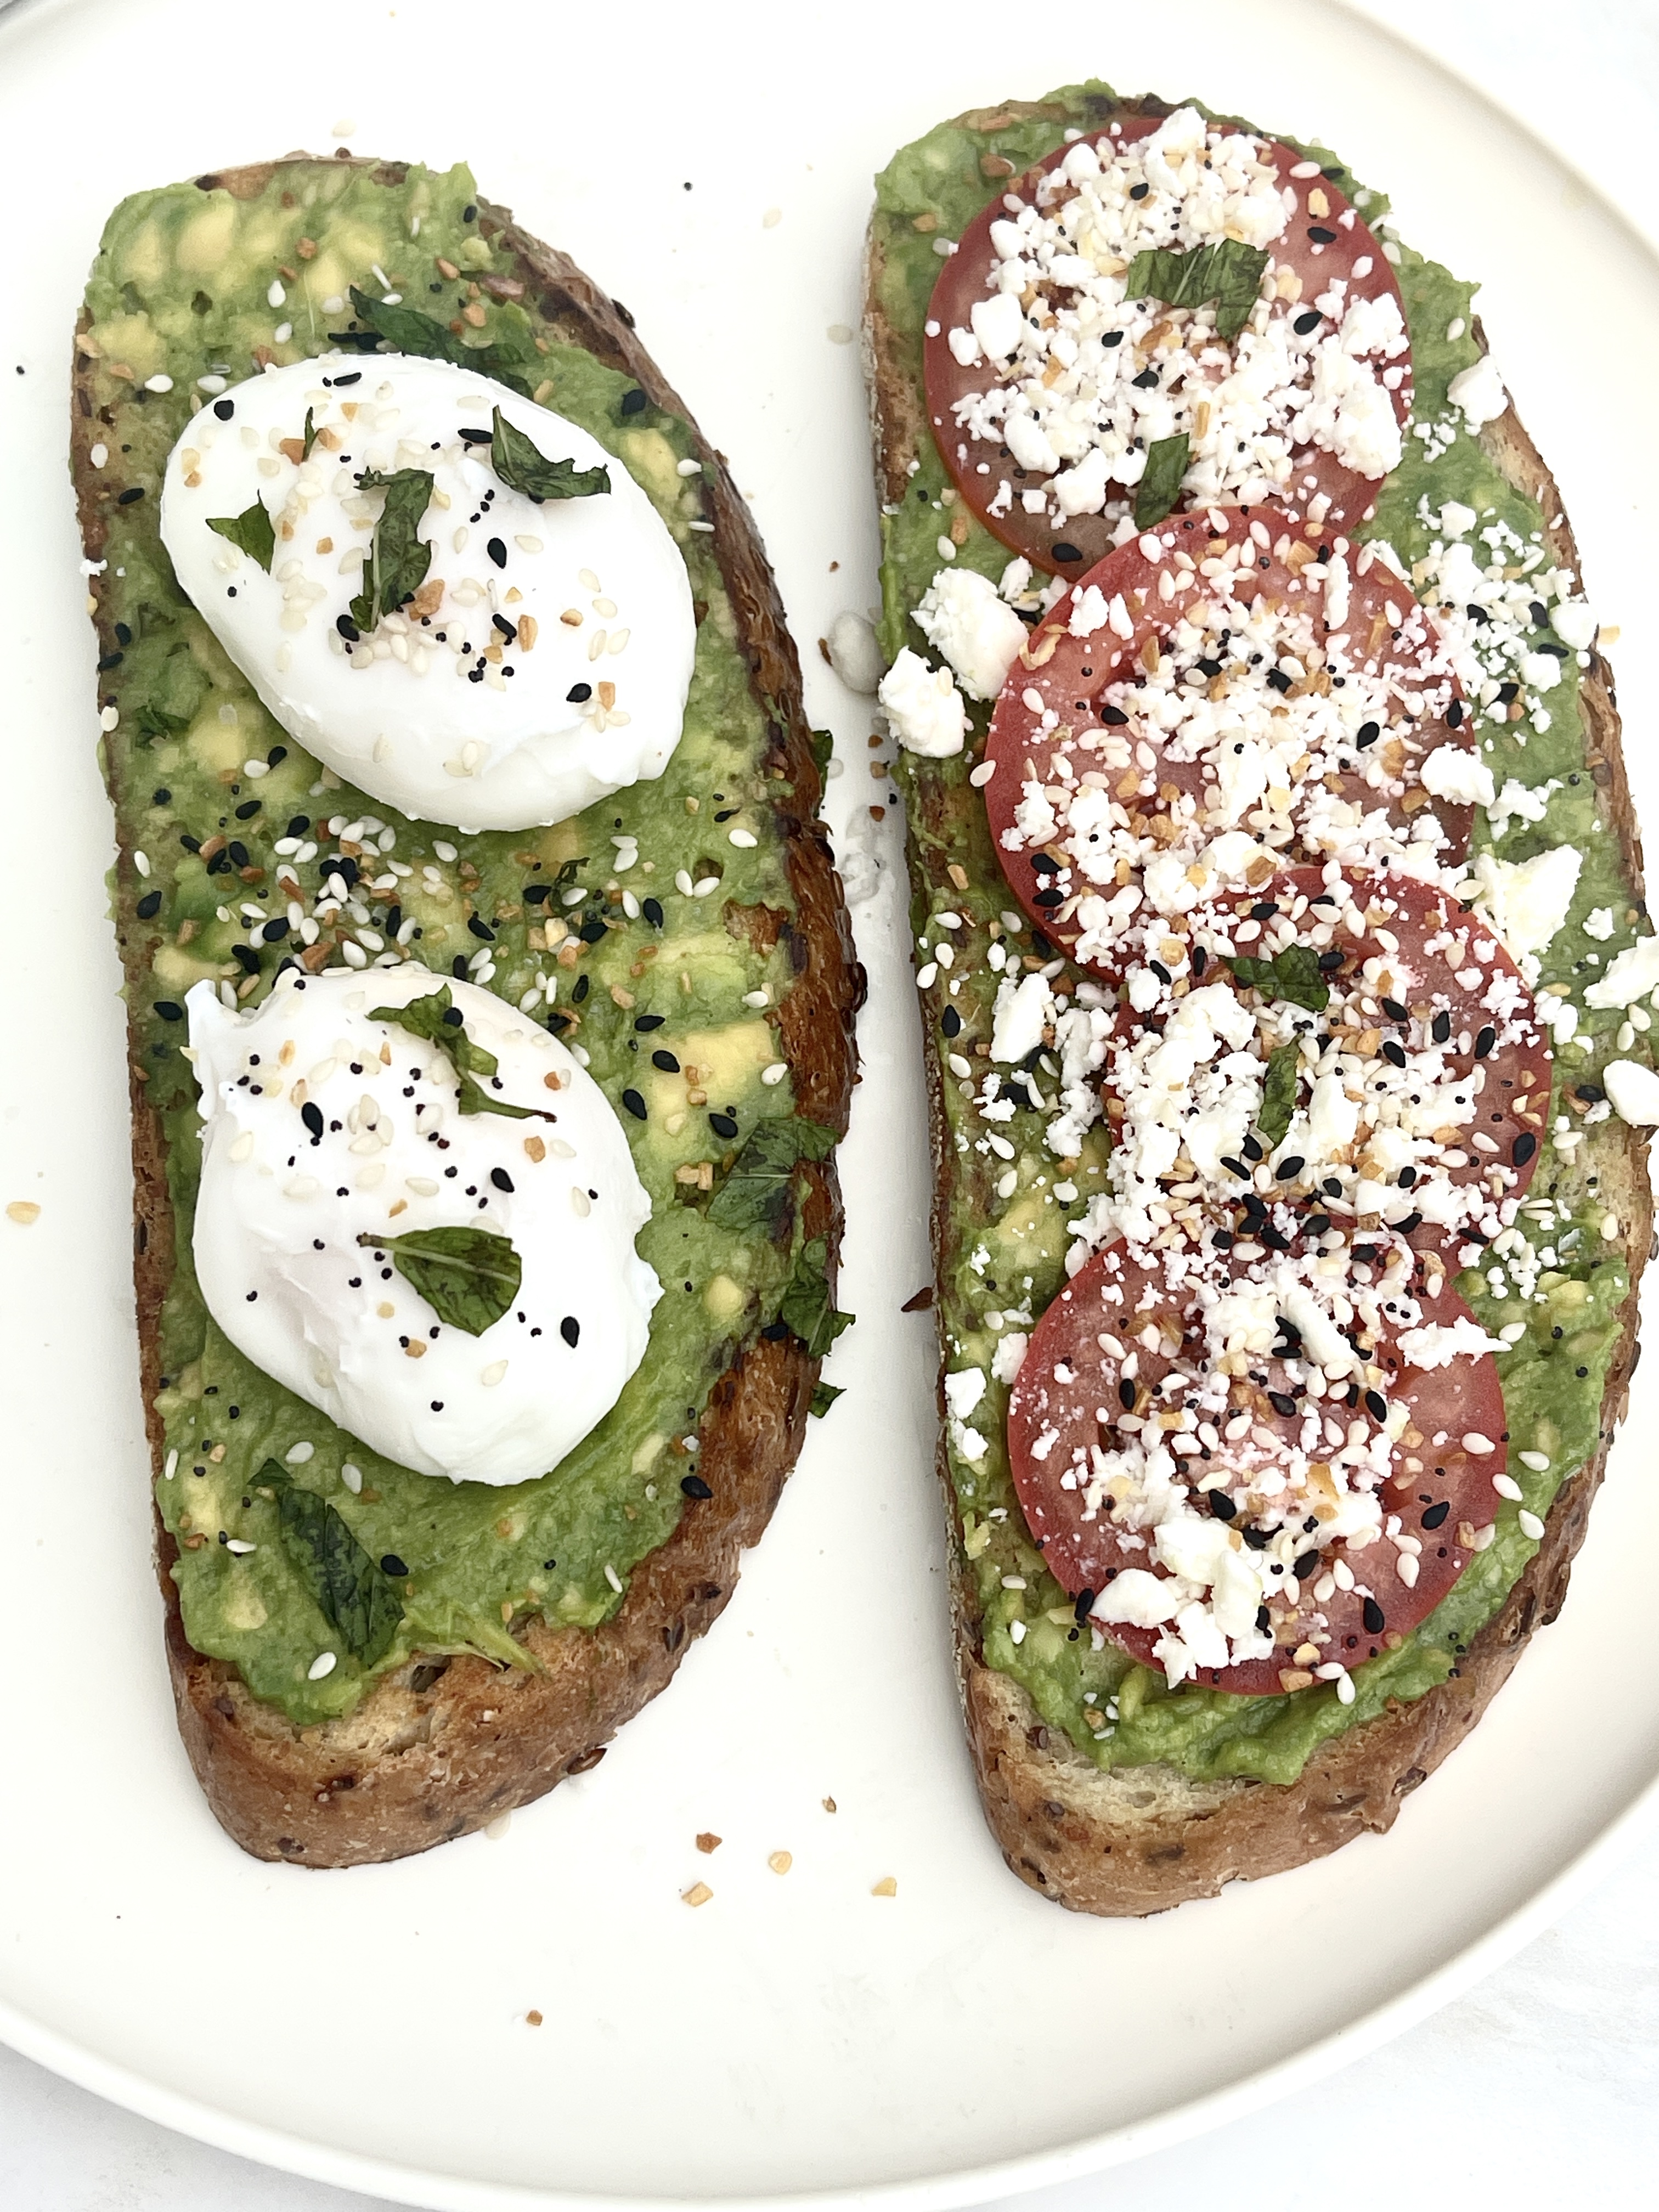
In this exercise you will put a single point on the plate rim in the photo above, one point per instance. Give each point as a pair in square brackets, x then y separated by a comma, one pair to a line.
[1635, 1822]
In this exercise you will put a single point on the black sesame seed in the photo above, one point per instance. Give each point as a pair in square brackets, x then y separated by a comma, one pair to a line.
[693, 1484]
[1376, 1405]
[1371, 1613]
[169, 1010]
[127, 497]
[578, 693]
[496, 550]
[1440, 1027]
[1283, 1404]
[651, 909]
[1305, 325]
[1436, 1514]
[224, 409]
[722, 1125]
[570, 1329]
[1485, 1042]
[1126, 1395]
[311, 1114]
[1289, 1169]
[391, 1564]
[1064, 552]
[348, 628]
[635, 1104]
[481, 928]
[666, 1061]
[1523, 1148]
[149, 905]
[1221, 1505]
[634, 402]
[1305, 1565]
[649, 1021]
[501, 1178]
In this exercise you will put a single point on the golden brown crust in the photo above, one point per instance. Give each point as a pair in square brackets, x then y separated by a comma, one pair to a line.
[440, 1748]
[1141, 1839]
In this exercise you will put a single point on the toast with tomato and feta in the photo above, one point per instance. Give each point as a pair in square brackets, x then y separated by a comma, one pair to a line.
[490, 993]
[1286, 980]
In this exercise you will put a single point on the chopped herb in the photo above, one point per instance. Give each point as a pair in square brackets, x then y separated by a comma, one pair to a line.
[757, 1193]
[1278, 1094]
[406, 330]
[399, 559]
[468, 1277]
[1160, 484]
[252, 530]
[1228, 272]
[1292, 975]
[307, 437]
[522, 466]
[825, 1395]
[807, 1309]
[354, 1596]
[432, 1017]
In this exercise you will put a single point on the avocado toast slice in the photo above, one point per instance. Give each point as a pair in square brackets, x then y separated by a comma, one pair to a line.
[708, 982]
[1108, 1790]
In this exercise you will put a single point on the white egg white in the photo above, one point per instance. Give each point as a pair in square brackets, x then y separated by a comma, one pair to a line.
[456, 710]
[323, 1125]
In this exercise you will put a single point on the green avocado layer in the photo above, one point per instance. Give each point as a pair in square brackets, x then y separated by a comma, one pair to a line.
[182, 289]
[1003, 1258]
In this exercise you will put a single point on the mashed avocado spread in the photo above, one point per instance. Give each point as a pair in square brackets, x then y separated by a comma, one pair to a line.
[623, 929]
[1556, 1281]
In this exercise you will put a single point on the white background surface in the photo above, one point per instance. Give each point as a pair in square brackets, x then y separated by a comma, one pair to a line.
[1541, 2085]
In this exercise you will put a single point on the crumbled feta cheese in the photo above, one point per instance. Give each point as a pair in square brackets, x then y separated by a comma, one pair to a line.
[1010, 1355]
[1634, 1092]
[1632, 975]
[1456, 519]
[854, 654]
[1575, 624]
[961, 616]
[1599, 924]
[923, 707]
[1526, 901]
[1022, 1010]
[1454, 773]
[1516, 803]
[1438, 1346]
[1478, 391]
[963, 1390]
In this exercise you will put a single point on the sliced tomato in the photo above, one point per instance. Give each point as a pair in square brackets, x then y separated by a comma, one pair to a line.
[1430, 1031]
[1121, 1345]
[1319, 243]
[1071, 704]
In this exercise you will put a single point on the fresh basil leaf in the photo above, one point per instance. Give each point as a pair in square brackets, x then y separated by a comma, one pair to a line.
[252, 530]
[825, 1395]
[1159, 489]
[1278, 1094]
[307, 437]
[1292, 975]
[807, 1308]
[468, 1277]
[357, 1599]
[824, 748]
[433, 1017]
[406, 330]
[1228, 272]
[757, 1193]
[174, 684]
[522, 466]
[398, 558]
[568, 871]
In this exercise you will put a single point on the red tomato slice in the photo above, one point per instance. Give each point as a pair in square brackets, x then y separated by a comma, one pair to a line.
[1319, 244]
[1089, 720]
[1124, 1344]
[1435, 1069]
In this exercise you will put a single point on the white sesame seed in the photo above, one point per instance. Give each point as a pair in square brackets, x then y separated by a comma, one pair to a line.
[297, 1455]
[172, 1466]
[236, 1544]
[158, 383]
[445, 852]
[1538, 1462]
[110, 718]
[98, 456]
[743, 837]
[213, 384]
[1530, 1524]
[256, 769]
[982, 775]
[775, 1072]
[704, 884]
[275, 296]
[324, 1664]
[351, 1476]
[1506, 1486]
[927, 976]
[613, 1577]
[683, 883]
[756, 998]
[1475, 1443]
[690, 468]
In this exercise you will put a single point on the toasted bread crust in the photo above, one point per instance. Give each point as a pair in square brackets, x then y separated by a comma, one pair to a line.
[436, 1750]
[1138, 1840]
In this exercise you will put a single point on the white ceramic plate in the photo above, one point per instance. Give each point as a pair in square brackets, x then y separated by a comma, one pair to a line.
[796, 2035]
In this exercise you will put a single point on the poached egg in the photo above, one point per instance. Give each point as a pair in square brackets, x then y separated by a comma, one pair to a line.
[324, 1126]
[545, 660]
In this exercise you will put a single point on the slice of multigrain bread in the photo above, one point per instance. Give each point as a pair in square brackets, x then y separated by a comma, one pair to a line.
[1139, 1839]
[442, 1745]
